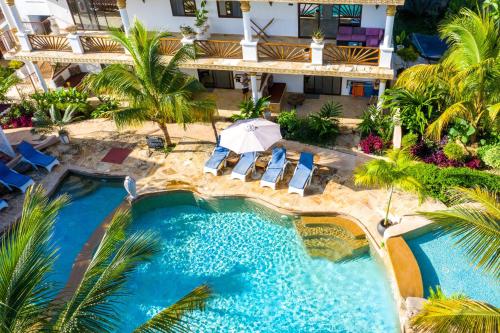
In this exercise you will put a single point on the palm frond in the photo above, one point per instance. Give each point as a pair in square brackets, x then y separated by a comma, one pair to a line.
[172, 319]
[435, 129]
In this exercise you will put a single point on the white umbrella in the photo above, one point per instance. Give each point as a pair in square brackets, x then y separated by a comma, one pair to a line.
[250, 135]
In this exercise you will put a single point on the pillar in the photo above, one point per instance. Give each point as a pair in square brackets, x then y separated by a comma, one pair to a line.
[255, 88]
[122, 8]
[248, 45]
[17, 28]
[381, 89]
[386, 48]
[397, 133]
[317, 53]
[39, 76]
[75, 43]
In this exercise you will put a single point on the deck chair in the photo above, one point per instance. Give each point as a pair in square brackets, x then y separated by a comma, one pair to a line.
[35, 157]
[302, 175]
[217, 160]
[9, 178]
[3, 204]
[245, 165]
[275, 168]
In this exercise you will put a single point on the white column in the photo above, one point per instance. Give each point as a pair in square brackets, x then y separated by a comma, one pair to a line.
[381, 89]
[75, 43]
[255, 89]
[397, 133]
[122, 8]
[317, 53]
[17, 28]
[248, 45]
[386, 48]
[39, 76]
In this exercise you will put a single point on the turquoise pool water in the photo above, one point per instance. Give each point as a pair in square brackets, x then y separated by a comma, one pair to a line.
[442, 263]
[91, 201]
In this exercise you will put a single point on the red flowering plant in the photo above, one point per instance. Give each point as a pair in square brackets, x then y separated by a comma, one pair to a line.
[372, 144]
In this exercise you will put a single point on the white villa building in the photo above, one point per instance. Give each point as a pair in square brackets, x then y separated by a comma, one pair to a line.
[269, 40]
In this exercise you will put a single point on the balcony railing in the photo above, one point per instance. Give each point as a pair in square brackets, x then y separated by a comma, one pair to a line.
[354, 55]
[7, 41]
[100, 44]
[284, 52]
[219, 49]
[168, 46]
[49, 43]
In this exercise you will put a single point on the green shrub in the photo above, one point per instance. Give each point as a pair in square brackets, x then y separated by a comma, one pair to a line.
[491, 156]
[438, 181]
[61, 99]
[454, 152]
[409, 140]
[104, 109]
[325, 123]
[408, 54]
[376, 121]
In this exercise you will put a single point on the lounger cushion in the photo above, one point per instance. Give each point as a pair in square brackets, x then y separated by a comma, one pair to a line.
[218, 156]
[11, 177]
[275, 166]
[34, 156]
[303, 171]
[246, 161]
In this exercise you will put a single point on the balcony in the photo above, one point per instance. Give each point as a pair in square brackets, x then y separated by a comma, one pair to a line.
[220, 52]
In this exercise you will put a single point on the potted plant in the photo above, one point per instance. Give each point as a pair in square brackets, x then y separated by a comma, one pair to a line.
[200, 23]
[401, 40]
[55, 120]
[187, 31]
[318, 36]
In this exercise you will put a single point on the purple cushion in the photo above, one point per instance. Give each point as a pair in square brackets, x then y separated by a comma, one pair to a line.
[358, 38]
[372, 41]
[358, 31]
[344, 37]
[345, 31]
[372, 31]
[381, 34]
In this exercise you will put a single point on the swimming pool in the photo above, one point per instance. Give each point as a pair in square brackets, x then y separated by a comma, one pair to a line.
[442, 263]
[252, 257]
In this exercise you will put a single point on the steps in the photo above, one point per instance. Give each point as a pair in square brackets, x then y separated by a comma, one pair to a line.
[78, 187]
[332, 237]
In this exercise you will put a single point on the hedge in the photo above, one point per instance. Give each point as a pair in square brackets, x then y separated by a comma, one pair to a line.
[438, 181]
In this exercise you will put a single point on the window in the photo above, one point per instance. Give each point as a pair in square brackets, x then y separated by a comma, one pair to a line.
[183, 7]
[95, 14]
[229, 9]
[349, 15]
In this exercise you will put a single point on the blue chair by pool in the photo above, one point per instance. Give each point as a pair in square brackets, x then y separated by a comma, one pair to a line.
[303, 173]
[275, 168]
[217, 160]
[9, 178]
[3, 204]
[245, 165]
[35, 157]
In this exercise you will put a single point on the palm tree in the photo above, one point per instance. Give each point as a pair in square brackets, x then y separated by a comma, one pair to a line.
[467, 75]
[157, 92]
[28, 301]
[250, 109]
[390, 173]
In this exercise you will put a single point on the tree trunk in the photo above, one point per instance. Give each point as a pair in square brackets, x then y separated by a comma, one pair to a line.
[215, 130]
[386, 220]
[164, 129]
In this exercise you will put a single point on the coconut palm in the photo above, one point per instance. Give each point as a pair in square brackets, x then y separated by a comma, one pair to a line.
[474, 220]
[390, 173]
[250, 109]
[157, 91]
[467, 75]
[28, 301]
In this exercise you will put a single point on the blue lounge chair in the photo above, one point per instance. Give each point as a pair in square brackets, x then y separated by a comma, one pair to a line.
[35, 157]
[9, 178]
[275, 168]
[217, 160]
[302, 175]
[245, 165]
[3, 204]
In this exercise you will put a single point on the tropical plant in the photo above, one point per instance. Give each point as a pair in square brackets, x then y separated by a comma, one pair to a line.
[454, 151]
[28, 301]
[474, 219]
[376, 121]
[318, 35]
[416, 109]
[409, 140]
[467, 76]
[325, 123]
[156, 91]
[461, 130]
[55, 120]
[61, 99]
[390, 173]
[187, 31]
[201, 15]
[490, 155]
[8, 79]
[105, 108]
[250, 109]
[407, 54]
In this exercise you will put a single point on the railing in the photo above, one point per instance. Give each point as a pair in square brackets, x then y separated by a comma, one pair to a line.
[100, 44]
[354, 55]
[2, 16]
[7, 41]
[49, 43]
[284, 52]
[219, 49]
[168, 46]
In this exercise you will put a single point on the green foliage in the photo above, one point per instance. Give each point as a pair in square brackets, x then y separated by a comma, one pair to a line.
[55, 120]
[454, 151]
[201, 15]
[325, 123]
[401, 38]
[8, 79]
[15, 64]
[61, 99]
[461, 130]
[437, 181]
[105, 108]
[490, 155]
[290, 124]
[186, 30]
[250, 109]
[376, 121]
[408, 54]
[409, 140]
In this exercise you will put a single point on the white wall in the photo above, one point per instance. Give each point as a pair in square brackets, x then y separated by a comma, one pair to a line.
[60, 10]
[372, 17]
[294, 83]
[32, 7]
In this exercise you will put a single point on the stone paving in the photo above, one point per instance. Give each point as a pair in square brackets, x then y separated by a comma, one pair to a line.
[331, 191]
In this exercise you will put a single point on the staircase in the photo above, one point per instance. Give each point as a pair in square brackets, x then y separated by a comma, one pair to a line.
[332, 237]
[78, 187]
